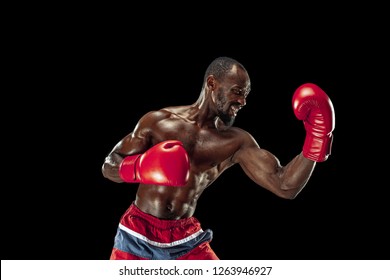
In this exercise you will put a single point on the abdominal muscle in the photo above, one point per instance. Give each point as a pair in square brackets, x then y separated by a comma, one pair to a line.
[170, 203]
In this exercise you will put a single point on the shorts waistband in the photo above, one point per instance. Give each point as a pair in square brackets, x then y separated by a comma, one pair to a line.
[157, 222]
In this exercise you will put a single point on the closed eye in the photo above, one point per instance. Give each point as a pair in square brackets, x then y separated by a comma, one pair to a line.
[241, 92]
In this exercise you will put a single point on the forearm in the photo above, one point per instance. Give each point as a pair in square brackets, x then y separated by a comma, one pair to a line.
[165, 163]
[110, 168]
[296, 174]
[265, 169]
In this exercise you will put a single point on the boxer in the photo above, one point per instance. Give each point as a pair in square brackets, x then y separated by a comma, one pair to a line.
[175, 153]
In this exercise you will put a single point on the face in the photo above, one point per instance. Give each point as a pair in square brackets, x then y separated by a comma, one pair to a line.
[231, 95]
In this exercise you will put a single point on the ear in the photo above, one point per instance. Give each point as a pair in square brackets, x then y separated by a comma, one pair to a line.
[211, 83]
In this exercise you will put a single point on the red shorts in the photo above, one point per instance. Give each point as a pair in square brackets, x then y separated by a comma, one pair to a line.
[141, 236]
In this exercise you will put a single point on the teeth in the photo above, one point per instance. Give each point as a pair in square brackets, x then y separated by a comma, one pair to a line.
[235, 110]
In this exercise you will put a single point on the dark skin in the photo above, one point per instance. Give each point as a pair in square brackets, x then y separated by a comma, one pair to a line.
[213, 145]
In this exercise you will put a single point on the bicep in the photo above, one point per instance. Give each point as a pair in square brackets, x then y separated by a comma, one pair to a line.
[131, 144]
[260, 165]
[135, 142]
[138, 141]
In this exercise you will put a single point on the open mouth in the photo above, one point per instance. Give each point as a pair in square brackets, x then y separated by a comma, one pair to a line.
[234, 109]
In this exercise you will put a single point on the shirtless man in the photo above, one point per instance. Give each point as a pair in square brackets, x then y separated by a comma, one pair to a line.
[175, 153]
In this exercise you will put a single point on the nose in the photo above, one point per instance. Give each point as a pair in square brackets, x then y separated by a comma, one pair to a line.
[242, 101]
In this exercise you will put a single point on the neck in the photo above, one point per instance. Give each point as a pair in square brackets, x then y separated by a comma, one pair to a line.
[205, 114]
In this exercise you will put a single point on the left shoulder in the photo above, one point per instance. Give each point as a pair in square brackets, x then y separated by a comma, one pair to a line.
[242, 134]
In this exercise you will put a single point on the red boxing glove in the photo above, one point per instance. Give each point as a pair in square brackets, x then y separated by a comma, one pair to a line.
[165, 164]
[313, 106]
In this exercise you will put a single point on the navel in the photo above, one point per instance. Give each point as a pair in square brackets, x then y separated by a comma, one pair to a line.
[169, 206]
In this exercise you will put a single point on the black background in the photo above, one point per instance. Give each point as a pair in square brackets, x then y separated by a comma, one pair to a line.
[76, 90]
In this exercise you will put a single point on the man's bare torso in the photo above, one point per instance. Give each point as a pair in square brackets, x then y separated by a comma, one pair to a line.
[210, 152]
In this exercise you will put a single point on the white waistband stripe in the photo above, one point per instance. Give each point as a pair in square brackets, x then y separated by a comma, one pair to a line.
[160, 244]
